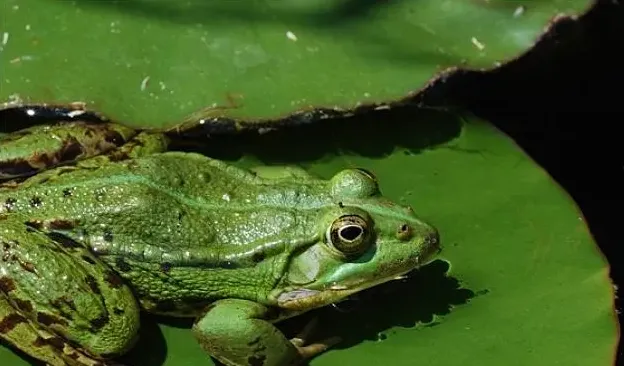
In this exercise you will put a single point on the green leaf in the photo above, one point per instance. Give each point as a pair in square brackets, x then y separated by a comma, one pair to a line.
[526, 284]
[153, 63]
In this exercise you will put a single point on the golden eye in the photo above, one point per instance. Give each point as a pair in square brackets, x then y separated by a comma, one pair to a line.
[404, 232]
[350, 235]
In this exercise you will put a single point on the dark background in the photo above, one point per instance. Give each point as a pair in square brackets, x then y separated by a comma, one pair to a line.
[563, 104]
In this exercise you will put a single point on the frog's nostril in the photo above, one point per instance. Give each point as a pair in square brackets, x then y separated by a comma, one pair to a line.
[433, 239]
[404, 232]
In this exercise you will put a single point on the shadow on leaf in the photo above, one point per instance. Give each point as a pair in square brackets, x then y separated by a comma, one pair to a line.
[417, 300]
[375, 134]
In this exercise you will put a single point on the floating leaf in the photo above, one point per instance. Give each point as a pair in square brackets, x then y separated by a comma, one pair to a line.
[153, 63]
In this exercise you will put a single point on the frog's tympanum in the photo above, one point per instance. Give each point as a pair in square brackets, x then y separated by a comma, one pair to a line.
[99, 222]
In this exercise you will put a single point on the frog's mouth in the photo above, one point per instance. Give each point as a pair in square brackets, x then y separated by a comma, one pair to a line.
[308, 299]
[304, 299]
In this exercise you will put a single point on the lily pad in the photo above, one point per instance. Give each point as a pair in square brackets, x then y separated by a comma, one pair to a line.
[153, 63]
[519, 281]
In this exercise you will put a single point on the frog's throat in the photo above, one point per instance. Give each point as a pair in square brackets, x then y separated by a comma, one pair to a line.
[303, 299]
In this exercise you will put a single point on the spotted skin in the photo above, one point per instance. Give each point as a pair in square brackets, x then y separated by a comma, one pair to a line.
[99, 222]
[40, 147]
[54, 295]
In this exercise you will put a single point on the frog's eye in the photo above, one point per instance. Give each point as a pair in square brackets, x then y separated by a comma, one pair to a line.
[368, 174]
[356, 183]
[350, 235]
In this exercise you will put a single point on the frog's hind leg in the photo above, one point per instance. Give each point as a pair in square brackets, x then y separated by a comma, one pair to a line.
[31, 150]
[145, 143]
[37, 343]
[17, 331]
[57, 300]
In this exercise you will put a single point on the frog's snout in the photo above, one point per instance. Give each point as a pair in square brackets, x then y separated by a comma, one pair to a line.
[432, 242]
[429, 242]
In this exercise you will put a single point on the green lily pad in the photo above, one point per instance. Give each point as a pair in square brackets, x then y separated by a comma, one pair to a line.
[520, 280]
[153, 63]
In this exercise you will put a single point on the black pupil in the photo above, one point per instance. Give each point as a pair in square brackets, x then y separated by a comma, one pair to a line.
[350, 233]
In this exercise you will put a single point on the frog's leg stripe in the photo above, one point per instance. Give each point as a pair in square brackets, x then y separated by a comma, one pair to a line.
[90, 314]
[143, 144]
[29, 151]
[70, 150]
[24, 335]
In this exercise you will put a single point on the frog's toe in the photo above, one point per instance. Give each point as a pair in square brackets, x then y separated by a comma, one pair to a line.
[310, 350]
[313, 349]
[300, 339]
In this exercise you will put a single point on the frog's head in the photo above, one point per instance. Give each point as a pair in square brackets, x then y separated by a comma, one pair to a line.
[365, 240]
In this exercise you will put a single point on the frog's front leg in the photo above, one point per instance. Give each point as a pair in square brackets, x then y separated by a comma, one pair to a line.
[31, 150]
[237, 332]
[59, 303]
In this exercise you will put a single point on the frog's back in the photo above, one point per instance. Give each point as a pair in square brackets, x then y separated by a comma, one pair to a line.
[181, 206]
[148, 199]
[162, 220]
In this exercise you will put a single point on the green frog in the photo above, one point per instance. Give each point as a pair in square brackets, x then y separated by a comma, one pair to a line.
[99, 222]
